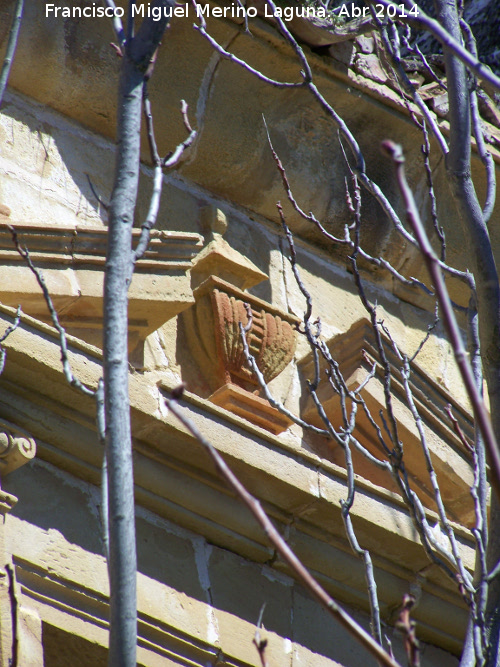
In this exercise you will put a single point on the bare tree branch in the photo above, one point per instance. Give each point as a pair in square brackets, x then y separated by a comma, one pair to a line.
[71, 379]
[101, 433]
[11, 47]
[408, 86]
[14, 611]
[202, 29]
[407, 627]
[297, 567]
[94, 192]
[117, 26]
[5, 335]
[159, 164]
[139, 55]
[484, 154]
[395, 152]
[414, 15]
[259, 642]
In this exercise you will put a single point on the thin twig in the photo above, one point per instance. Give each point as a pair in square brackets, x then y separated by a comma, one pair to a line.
[456, 427]
[298, 568]
[71, 379]
[14, 611]
[11, 47]
[347, 241]
[260, 378]
[364, 554]
[202, 29]
[117, 26]
[416, 50]
[484, 154]
[407, 627]
[457, 559]
[175, 156]
[422, 20]
[94, 192]
[408, 86]
[395, 152]
[479, 492]
[259, 642]
[101, 433]
[159, 164]
[7, 332]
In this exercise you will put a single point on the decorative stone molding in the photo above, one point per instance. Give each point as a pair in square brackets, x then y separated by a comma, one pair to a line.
[356, 353]
[17, 447]
[175, 480]
[212, 328]
[250, 407]
[7, 502]
[218, 258]
[73, 259]
[214, 335]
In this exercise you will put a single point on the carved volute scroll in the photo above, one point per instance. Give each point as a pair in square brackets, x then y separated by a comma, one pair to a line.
[212, 326]
[17, 447]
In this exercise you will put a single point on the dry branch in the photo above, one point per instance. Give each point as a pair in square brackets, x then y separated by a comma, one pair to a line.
[297, 567]
[394, 151]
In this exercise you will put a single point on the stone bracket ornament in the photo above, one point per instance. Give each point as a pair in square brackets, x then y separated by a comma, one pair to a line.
[220, 277]
[17, 447]
[357, 354]
[213, 332]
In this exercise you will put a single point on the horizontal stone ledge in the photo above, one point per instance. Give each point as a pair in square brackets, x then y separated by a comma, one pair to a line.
[72, 261]
[87, 245]
[175, 479]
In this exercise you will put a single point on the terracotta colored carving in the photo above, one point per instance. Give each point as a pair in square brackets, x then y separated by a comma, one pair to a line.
[212, 329]
[214, 335]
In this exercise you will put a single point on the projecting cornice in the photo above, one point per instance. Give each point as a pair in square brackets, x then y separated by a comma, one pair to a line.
[72, 261]
[175, 479]
[56, 65]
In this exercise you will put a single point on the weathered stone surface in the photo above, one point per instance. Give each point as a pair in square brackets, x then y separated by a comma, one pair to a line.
[369, 66]
[73, 261]
[357, 355]
[212, 326]
[204, 565]
[17, 447]
[304, 139]
[255, 409]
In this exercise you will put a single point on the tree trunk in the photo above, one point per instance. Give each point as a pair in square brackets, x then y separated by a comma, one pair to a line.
[122, 551]
[137, 59]
[485, 272]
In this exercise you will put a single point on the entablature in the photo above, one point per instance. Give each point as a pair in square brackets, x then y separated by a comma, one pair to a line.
[175, 479]
[72, 260]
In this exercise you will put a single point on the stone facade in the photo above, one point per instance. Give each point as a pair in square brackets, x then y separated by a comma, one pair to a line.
[205, 568]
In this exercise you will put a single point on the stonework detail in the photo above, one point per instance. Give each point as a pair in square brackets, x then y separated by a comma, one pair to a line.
[357, 354]
[72, 260]
[215, 338]
[17, 447]
[213, 333]
[204, 566]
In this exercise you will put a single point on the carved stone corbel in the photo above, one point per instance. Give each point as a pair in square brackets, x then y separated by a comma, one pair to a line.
[17, 447]
[357, 354]
[220, 277]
